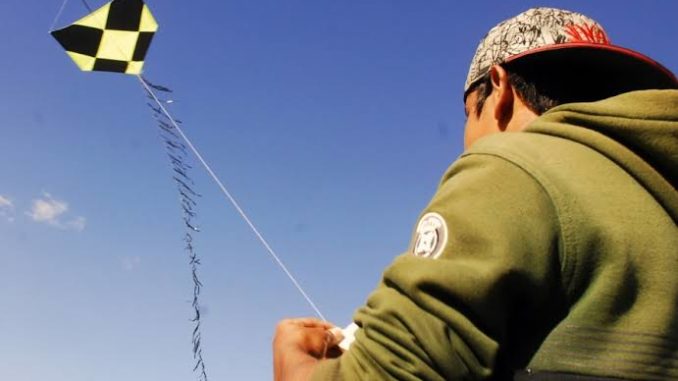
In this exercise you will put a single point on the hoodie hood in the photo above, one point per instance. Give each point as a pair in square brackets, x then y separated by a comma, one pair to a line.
[637, 130]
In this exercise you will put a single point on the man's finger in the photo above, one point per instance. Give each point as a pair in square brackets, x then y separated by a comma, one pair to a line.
[336, 336]
[309, 322]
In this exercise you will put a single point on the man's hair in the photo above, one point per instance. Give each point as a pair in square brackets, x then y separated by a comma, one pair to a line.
[528, 92]
[544, 85]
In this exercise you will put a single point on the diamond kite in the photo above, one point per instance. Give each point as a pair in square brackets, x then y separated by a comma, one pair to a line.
[113, 38]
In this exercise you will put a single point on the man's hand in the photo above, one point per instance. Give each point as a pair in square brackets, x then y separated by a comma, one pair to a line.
[299, 344]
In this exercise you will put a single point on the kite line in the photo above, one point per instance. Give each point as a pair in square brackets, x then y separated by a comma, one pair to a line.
[230, 198]
[89, 9]
[58, 15]
[78, 43]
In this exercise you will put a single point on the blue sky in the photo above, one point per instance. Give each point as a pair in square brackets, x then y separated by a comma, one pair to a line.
[331, 122]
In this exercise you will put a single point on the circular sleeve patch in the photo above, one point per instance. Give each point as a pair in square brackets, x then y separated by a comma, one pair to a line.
[430, 236]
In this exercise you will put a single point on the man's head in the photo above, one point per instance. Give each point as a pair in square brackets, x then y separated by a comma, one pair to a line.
[545, 57]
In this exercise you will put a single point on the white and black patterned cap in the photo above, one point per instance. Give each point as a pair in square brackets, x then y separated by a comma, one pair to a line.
[543, 30]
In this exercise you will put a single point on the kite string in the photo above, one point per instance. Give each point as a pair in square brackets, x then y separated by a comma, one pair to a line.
[231, 198]
[58, 16]
[61, 11]
[84, 2]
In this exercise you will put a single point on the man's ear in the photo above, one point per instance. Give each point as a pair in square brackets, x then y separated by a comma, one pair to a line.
[503, 93]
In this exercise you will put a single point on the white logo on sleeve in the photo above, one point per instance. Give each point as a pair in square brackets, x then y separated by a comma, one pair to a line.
[431, 236]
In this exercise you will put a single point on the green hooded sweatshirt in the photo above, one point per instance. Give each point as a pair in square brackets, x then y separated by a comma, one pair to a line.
[554, 249]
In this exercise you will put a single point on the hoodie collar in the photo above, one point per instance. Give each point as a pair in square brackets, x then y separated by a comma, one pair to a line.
[637, 130]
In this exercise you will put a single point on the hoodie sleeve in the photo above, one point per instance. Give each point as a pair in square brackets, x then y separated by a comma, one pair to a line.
[482, 266]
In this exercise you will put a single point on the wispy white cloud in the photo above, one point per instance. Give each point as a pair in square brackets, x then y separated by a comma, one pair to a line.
[4, 201]
[131, 263]
[49, 210]
[77, 224]
[6, 208]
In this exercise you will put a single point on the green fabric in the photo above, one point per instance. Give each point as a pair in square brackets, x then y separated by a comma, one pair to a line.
[561, 253]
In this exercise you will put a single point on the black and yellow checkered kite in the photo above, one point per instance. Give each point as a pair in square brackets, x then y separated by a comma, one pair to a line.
[113, 38]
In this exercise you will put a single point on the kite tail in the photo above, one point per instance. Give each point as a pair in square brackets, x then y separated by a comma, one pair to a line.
[177, 155]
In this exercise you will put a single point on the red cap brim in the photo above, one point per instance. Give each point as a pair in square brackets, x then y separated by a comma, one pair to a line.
[633, 70]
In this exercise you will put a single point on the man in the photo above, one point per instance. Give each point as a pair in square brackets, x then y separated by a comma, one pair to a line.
[550, 249]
